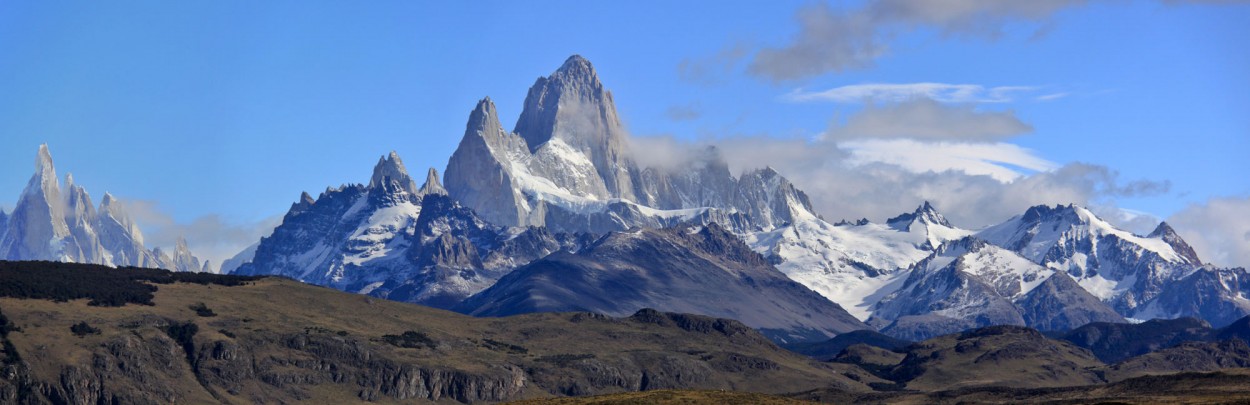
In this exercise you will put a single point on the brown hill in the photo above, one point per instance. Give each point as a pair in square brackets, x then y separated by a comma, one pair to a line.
[275, 340]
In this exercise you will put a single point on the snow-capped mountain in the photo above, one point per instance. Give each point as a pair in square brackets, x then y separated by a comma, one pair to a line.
[48, 224]
[854, 264]
[969, 283]
[567, 166]
[691, 269]
[566, 172]
[391, 239]
[1125, 270]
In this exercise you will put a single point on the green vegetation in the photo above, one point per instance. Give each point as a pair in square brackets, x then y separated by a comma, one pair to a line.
[104, 286]
[184, 334]
[83, 329]
[504, 347]
[202, 310]
[659, 397]
[564, 359]
[8, 353]
[409, 340]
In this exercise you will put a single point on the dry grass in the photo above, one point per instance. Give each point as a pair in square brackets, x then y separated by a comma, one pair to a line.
[668, 397]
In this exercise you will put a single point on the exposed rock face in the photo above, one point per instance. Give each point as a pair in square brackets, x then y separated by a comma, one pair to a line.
[1156, 276]
[1059, 303]
[573, 108]
[970, 283]
[47, 224]
[1093, 252]
[398, 242]
[567, 166]
[670, 270]
[855, 265]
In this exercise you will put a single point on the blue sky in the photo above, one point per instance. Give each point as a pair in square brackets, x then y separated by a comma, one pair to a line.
[212, 117]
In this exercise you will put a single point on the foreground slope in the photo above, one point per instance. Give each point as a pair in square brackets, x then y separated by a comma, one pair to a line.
[694, 269]
[276, 340]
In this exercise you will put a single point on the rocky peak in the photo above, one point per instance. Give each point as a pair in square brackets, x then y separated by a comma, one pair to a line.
[572, 105]
[1165, 232]
[109, 206]
[961, 246]
[573, 99]
[859, 222]
[925, 214]
[44, 185]
[1042, 213]
[432, 185]
[390, 170]
[479, 172]
[78, 201]
[304, 204]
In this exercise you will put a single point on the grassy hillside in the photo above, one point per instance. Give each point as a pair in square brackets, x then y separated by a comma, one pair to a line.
[275, 340]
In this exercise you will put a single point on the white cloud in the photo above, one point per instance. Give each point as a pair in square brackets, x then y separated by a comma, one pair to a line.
[1219, 230]
[996, 160]
[209, 237]
[684, 112]
[901, 92]
[835, 40]
[984, 18]
[1052, 96]
[844, 183]
[828, 40]
[927, 119]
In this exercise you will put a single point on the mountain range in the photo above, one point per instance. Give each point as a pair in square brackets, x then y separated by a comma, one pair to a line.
[51, 223]
[558, 215]
[82, 334]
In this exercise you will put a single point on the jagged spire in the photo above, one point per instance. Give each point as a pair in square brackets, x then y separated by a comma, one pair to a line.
[432, 185]
[390, 169]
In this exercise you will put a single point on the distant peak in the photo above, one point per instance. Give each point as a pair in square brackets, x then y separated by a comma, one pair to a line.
[1178, 244]
[485, 107]
[44, 155]
[925, 214]
[304, 197]
[390, 169]
[1041, 213]
[43, 162]
[1162, 230]
[571, 100]
[576, 63]
[432, 185]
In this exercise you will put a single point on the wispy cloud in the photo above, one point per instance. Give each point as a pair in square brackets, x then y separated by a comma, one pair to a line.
[1000, 161]
[899, 92]
[926, 119]
[1218, 229]
[209, 237]
[973, 184]
[684, 112]
[835, 40]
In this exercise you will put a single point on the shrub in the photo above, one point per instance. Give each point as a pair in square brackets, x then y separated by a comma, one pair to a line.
[202, 310]
[83, 329]
[409, 340]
